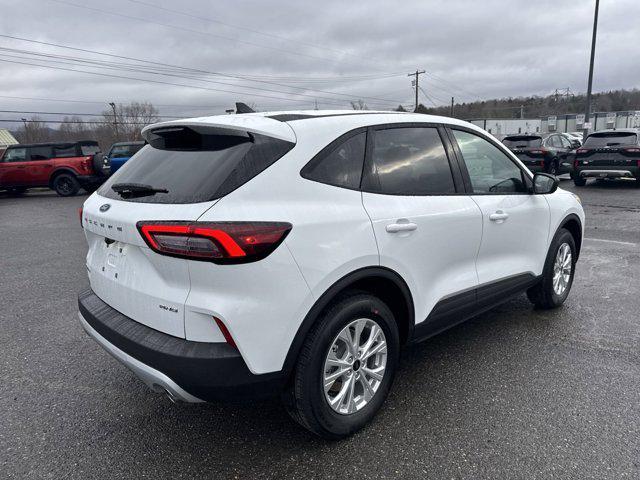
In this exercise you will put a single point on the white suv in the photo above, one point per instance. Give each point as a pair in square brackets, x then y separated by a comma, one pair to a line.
[294, 253]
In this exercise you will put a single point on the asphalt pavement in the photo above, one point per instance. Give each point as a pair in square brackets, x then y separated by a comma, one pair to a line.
[515, 393]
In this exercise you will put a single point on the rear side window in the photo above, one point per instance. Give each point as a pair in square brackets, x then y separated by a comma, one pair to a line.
[89, 149]
[408, 161]
[610, 139]
[39, 153]
[194, 167]
[340, 164]
[522, 141]
[65, 151]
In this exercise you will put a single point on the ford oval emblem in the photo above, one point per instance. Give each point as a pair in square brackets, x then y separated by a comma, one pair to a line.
[105, 207]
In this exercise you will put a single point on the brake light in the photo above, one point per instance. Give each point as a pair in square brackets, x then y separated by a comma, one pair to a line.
[80, 215]
[219, 242]
[542, 163]
[632, 150]
[86, 163]
[582, 150]
[225, 332]
[538, 150]
[575, 164]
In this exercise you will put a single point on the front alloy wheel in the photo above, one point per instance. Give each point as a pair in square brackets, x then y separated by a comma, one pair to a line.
[355, 365]
[562, 268]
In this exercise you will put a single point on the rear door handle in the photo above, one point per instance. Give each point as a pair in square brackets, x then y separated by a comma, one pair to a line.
[499, 216]
[401, 227]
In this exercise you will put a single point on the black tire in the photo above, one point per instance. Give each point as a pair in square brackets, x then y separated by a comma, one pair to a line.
[305, 398]
[66, 185]
[543, 294]
[579, 181]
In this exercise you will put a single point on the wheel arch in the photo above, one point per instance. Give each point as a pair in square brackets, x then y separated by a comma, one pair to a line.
[573, 224]
[60, 171]
[382, 282]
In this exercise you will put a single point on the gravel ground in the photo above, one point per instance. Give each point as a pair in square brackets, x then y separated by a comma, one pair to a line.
[515, 393]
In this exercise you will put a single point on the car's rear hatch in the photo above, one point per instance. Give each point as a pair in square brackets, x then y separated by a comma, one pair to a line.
[613, 150]
[184, 171]
[528, 148]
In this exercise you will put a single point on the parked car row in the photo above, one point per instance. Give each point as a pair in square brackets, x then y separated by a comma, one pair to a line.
[65, 167]
[606, 154]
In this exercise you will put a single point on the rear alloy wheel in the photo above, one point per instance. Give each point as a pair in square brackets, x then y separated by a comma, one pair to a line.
[346, 367]
[66, 185]
[557, 276]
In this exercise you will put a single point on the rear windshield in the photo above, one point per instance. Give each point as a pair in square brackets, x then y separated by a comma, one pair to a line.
[193, 172]
[610, 139]
[522, 142]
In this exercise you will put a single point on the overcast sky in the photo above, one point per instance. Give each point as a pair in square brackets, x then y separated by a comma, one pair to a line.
[292, 54]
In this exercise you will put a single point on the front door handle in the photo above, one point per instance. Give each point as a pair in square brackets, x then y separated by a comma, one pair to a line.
[499, 216]
[401, 227]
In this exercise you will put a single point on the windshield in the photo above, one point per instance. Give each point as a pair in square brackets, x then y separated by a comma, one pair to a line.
[610, 139]
[192, 176]
[522, 142]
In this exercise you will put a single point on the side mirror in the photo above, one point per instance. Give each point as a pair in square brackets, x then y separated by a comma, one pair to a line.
[543, 183]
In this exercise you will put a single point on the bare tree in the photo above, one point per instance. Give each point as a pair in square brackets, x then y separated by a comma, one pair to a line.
[359, 105]
[34, 130]
[128, 121]
[74, 128]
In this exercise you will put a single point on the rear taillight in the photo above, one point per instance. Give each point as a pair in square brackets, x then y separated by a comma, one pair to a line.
[632, 150]
[86, 163]
[540, 151]
[575, 164]
[542, 163]
[582, 150]
[219, 242]
[80, 215]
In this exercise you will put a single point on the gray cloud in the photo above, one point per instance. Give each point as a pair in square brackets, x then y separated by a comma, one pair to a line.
[470, 49]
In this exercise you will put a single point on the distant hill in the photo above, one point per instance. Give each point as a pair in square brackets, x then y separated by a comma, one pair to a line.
[534, 106]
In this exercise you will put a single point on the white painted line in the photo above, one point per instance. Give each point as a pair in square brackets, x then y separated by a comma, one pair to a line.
[612, 241]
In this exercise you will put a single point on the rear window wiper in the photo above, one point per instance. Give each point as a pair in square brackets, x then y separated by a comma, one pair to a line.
[128, 190]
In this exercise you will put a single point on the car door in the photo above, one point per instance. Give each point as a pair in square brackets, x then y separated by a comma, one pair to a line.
[427, 229]
[515, 222]
[565, 158]
[40, 165]
[13, 167]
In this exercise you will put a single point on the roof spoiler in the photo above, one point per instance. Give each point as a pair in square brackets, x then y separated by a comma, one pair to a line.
[244, 108]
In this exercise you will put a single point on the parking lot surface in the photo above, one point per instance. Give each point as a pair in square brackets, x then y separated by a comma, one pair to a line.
[515, 393]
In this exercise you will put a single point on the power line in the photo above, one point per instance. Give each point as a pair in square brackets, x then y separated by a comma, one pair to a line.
[165, 65]
[71, 114]
[175, 27]
[164, 82]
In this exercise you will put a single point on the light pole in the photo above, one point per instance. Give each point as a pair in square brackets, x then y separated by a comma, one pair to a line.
[587, 113]
[115, 118]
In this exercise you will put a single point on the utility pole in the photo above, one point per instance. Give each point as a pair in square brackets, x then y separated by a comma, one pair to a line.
[521, 111]
[587, 114]
[417, 73]
[451, 112]
[115, 118]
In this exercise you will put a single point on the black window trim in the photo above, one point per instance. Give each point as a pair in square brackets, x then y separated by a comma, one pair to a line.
[528, 176]
[328, 150]
[455, 172]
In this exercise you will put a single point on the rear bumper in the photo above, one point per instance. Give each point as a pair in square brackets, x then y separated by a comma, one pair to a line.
[608, 173]
[188, 371]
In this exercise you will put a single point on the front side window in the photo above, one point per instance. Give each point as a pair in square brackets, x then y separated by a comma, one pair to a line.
[15, 155]
[408, 161]
[491, 171]
[341, 165]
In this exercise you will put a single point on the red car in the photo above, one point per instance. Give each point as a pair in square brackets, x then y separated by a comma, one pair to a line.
[64, 167]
